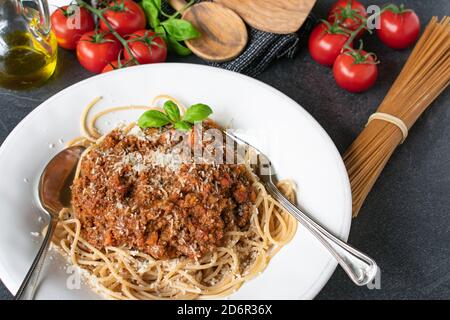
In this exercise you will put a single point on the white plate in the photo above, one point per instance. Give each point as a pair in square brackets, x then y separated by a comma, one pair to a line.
[299, 148]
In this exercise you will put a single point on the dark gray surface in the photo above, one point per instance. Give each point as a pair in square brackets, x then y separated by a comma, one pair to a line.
[405, 222]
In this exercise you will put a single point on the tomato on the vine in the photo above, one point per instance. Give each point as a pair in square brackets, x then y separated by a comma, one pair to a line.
[355, 70]
[124, 16]
[399, 27]
[326, 42]
[69, 23]
[146, 47]
[350, 14]
[96, 49]
[118, 64]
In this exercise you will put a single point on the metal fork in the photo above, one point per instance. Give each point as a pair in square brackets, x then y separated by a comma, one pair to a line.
[359, 267]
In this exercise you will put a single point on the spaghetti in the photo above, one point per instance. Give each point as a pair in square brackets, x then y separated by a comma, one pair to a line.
[424, 77]
[123, 273]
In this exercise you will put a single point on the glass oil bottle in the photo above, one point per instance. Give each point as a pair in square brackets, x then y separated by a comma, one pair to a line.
[28, 48]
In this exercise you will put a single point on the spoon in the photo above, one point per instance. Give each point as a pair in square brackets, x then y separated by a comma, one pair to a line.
[223, 33]
[280, 17]
[54, 195]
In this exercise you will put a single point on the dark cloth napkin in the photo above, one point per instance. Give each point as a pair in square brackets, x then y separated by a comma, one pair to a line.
[262, 49]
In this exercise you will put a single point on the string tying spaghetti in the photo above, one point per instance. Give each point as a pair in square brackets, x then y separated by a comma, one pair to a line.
[392, 120]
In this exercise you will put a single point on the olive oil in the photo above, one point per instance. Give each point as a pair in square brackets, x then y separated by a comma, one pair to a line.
[26, 60]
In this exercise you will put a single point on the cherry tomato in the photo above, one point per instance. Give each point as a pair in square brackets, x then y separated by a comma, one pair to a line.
[69, 23]
[349, 14]
[146, 47]
[326, 43]
[399, 28]
[115, 65]
[96, 49]
[355, 71]
[124, 16]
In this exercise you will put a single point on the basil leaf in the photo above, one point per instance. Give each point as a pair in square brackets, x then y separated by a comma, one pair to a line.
[183, 126]
[197, 112]
[152, 8]
[178, 47]
[173, 45]
[180, 30]
[161, 32]
[158, 4]
[172, 111]
[153, 119]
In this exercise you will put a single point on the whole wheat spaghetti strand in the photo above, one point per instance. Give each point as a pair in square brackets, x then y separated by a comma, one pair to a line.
[424, 77]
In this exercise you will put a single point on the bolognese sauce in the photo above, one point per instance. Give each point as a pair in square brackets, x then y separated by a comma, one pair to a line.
[136, 191]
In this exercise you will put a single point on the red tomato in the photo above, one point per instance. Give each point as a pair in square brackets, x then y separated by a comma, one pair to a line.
[115, 65]
[146, 48]
[399, 28]
[348, 14]
[69, 23]
[96, 49]
[326, 44]
[124, 16]
[355, 71]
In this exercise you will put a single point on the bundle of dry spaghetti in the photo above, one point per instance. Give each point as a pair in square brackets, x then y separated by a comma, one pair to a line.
[425, 75]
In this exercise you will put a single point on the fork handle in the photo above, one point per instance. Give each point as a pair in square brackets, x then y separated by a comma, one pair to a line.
[28, 288]
[359, 267]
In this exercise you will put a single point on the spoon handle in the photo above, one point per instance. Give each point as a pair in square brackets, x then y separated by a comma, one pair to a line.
[29, 285]
[178, 5]
[359, 267]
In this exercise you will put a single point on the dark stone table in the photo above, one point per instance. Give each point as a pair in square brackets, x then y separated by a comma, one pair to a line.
[405, 222]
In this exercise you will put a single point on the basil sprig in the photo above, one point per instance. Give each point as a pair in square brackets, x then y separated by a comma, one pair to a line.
[173, 29]
[197, 112]
[172, 111]
[156, 119]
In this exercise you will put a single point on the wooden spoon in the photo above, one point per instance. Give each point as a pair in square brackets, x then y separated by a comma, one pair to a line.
[224, 34]
[276, 16]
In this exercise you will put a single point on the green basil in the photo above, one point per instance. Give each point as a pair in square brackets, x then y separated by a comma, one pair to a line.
[197, 112]
[178, 47]
[183, 126]
[153, 119]
[180, 30]
[173, 30]
[152, 8]
[156, 119]
[172, 111]
[161, 32]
